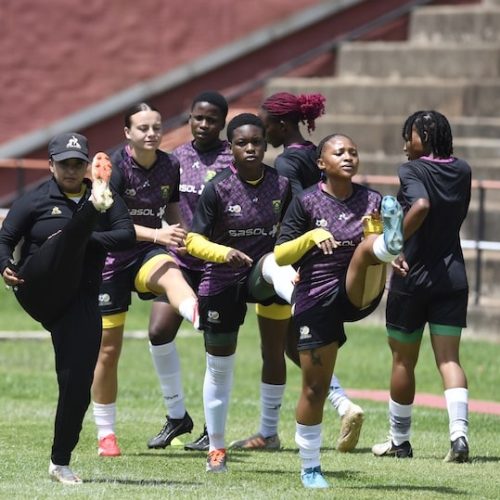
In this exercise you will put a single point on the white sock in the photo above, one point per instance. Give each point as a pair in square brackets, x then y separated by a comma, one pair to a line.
[105, 418]
[188, 309]
[216, 391]
[380, 250]
[457, 402]
[271, 397]
[281, 277]
[167, 365]
[400, 422]
[308, 439]
[338, 397]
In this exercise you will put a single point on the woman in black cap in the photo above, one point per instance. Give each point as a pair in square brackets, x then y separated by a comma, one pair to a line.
[68, 225]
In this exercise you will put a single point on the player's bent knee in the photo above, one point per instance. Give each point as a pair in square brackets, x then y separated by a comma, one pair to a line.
[220, 339]
[145, 273]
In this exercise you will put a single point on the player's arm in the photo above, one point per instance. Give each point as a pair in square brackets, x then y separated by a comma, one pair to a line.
[295, 238]
[198, 241]
[413, 190]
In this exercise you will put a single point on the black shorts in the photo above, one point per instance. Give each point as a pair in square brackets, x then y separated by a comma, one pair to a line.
[409, 312]
[225, 312]
[115, 295]
[323, 323]
[192, 278]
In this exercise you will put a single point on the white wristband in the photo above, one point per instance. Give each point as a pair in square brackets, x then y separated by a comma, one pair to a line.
[156, 236]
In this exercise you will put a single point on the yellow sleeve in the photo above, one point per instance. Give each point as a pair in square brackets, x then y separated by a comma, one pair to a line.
[292, 251]
[200, 246]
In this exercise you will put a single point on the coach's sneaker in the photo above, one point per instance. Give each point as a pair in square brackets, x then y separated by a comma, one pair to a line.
[350, 428]
[101, 169]
[173, 427]
[392, 216]
[63, 474]
[108, 446]
[202, 443]
[459, 451]
[389, 449]
[257, 442]
[216, 461]
[313, 478]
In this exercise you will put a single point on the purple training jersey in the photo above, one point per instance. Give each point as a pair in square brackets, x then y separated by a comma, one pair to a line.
[196, 169]
[146, 193]
[239, 215]
[314, 208]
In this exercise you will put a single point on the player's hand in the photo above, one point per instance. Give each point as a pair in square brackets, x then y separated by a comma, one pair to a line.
[235, 258]
[400, 266]
[11, 278]
[328, 246]
[171, 236]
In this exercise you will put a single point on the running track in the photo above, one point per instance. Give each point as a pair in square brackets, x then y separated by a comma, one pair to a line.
[421, 399]
[424, 399]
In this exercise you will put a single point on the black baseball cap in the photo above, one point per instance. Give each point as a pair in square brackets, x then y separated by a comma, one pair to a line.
[69, 145]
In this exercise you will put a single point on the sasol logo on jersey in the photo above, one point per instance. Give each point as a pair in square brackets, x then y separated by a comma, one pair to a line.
[189, 188]
[253, 231]
[148, 212]
[321, 223]
[234, 209]
[141, 211]
[346, 243]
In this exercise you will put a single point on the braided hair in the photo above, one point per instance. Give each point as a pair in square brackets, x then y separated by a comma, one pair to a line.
[433, 129]
[304, 108]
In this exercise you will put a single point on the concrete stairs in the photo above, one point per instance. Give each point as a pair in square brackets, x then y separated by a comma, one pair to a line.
[450, 62]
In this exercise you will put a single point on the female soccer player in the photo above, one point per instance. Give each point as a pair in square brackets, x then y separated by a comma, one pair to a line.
[148, 180]
[429, 282]
[342, 278]
[282, 113]
[200, 159]
[235, 223]
[68, 225]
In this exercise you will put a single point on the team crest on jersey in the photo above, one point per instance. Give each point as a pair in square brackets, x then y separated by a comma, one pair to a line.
[210, 174]
[277, 206]
[56, 211]
[321, 223]
[165, 192]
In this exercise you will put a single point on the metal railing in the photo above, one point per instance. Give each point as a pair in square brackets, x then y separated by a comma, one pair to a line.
[478, 244]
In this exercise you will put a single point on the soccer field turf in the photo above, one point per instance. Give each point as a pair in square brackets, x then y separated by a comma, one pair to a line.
[28, 396]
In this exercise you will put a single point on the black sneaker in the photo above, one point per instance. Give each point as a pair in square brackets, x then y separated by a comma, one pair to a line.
[389, 449]
[459, 451]
[173, 427]
[201, 444]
